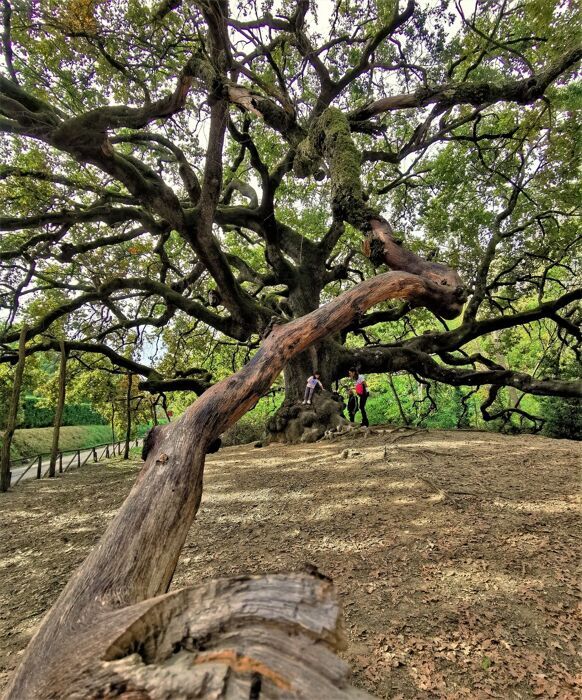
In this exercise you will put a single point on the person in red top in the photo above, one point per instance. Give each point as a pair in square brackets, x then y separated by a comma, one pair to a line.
[361, 392]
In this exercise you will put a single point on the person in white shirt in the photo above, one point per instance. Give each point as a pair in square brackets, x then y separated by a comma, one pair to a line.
[361, 392]
[312, 383]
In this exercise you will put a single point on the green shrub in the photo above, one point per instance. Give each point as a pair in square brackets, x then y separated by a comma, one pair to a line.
[563, 417]
[37, 415]
[378, 409]
[251, 426]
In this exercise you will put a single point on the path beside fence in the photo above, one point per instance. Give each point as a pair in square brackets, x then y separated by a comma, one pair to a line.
[37, 467]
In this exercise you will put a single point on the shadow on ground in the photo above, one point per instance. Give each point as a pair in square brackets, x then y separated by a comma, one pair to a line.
[454, 553]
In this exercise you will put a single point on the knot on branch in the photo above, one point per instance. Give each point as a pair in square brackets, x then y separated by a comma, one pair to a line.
[307, 160]
[84, 135]
[461, 294]
[374, 250]
[149, 442]
[214, 446]
[67, 253]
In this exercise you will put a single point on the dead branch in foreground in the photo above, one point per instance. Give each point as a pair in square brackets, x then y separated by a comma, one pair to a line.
[107, 597]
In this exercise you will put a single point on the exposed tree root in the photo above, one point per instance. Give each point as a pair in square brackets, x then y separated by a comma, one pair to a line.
[445, 495]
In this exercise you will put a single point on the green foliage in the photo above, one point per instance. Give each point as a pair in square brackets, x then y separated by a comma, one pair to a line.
[443, 177]
[38, 415]
[251, 426]
[563, 417]
[382, 406]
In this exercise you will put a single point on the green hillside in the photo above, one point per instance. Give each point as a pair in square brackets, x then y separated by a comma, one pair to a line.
[31, 441]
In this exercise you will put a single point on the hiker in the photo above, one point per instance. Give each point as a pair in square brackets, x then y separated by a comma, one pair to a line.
[352, 405]
[362, 393]
[312, 383]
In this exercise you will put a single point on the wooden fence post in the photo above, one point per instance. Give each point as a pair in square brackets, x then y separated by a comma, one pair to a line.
[95, 455]
[78, 459]
[39, 467]
[60, 462]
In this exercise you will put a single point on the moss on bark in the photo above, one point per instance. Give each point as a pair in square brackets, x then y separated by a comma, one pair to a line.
[330, 139]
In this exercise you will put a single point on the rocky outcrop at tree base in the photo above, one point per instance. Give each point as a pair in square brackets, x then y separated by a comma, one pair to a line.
[296, 422]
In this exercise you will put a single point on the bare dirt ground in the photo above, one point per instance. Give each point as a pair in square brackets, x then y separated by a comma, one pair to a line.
[454, 553]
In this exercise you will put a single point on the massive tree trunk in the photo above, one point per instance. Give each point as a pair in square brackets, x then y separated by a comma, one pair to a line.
[296, 422]
[296, 373]
[12, 414]
[101, 615]
[323, 358]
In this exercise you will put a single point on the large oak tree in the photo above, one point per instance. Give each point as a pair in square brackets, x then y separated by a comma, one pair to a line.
[198, 169]
[196, 165]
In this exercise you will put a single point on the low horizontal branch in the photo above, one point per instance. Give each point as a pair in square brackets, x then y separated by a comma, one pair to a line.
[395, 359]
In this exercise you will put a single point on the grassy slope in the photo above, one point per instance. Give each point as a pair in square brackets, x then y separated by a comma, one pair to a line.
[32, 441]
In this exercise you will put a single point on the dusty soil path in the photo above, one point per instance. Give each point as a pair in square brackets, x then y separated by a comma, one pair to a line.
[454, 553]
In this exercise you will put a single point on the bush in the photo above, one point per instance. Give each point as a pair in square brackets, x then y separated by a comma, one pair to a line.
[38, 415]
[563, 417]
[378, 409]
[382, 406]
[251, 427]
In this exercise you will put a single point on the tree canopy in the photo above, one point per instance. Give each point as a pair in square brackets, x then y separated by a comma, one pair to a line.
[179, 176]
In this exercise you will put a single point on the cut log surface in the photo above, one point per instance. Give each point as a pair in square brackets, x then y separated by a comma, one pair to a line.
[261, 637]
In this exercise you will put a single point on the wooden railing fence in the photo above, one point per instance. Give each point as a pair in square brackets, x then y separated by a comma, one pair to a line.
[97, 452]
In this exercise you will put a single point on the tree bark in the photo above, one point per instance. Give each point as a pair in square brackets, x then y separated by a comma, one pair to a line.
[60, 409]
[295, 374]
[128, 417]
[322, 358]
[136, 558]
[5, 473]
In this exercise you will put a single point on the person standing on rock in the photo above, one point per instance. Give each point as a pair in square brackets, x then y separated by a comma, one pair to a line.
[361, 392]
[312, 383]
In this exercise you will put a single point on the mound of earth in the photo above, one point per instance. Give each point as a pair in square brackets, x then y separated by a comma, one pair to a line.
[454, 553]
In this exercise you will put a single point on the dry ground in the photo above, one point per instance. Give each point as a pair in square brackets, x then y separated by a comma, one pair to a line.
[454, 553]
